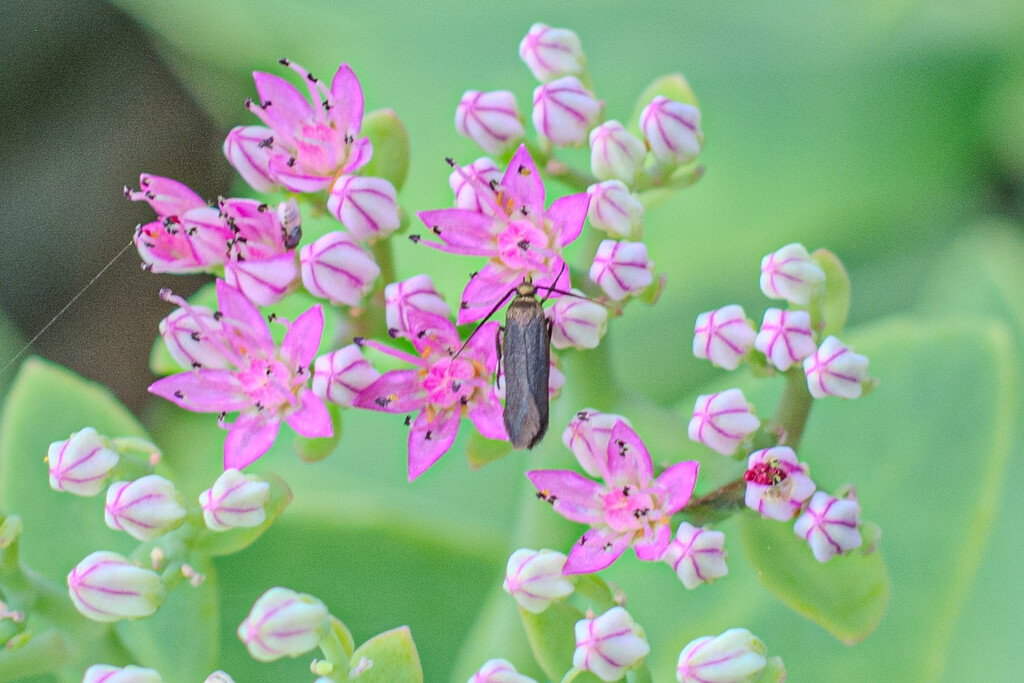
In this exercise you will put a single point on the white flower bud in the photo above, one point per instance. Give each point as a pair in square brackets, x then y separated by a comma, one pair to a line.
[564, 111]
[722, 421]
[145, 509]
[490, 119]
[283, 623]
[724, 336]
[587, 437]
[338, 377]
[785, 337]
[791, 274]
[499, 671]
[336, 268]
[482, 172]
[235, 500]
[81, 463]
[736, 656]
[219, 677]
[187, 333]
[696, 555]
[105, 586]
[577, 322]
[104, 673]
[609, 645]
[615, 153]
[552, 52]
[672, 130]
[367, 206]
[534, 578]
[616, 210]
[835, 370]
[829, 525]
[416, 293]
[621, 268]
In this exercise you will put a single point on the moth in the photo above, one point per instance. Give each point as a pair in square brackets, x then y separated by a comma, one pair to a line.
[525, 352]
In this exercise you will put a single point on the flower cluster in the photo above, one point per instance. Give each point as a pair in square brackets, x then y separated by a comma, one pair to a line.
[777, 484]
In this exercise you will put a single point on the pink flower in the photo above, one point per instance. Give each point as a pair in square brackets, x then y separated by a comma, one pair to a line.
[724, 336]
[616, 210]
[441, 389]
[577, 322]
[609, 645]
[520, 238]
[413, 294]
[622, 268]
[367, 206]
[829, 525]
[696, 555]
[777, 485]
[587, 437]
[467, 181]
[835, 370]
[722, 421]
[672, 130]
[615, 153]
[791, 274]
[785, 337]
[265, 384]
[490, 119]
[244, 236]
[338, 377]
[145, 509]
[564, 111]
[629, 508]
[336, 268]
[303, 145]
[551, 53]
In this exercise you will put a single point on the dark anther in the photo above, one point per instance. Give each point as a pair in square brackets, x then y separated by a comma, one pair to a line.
[222, 416]
[196, 365]
[243, 240]
[606, 547]
[248, 103]
[195, 336]
[456, 385]
[421, 334]
[583, 539]
[393, 332]
[436, 229]
[269, 371]
[427, 435]
[127, 192]
[147, 267]
[583, 416]
[291, 162]
[284, 61]
[179, 393]
[266, 142]
[474, 274]
[464, 400]
[327, 105]
[262, 207]
[494, 185]
[522, 170]
[272, 317]
[144, 181]
[150, 195]
[149, 245]
[463, 304]
[382, 401]
[349, 139]
[408, 420]
[415, 239]
[625, 490]
[265, 104]
[522, 210]
[191, 230]
[259, 406]
[450, 161]
[310, 77]
[523, 244]
[359, 341]
[217, 315]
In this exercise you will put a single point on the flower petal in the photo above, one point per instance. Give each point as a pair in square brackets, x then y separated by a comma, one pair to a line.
[652, 544]
[567, 215]
[595, 550]
[203, 391]
[346, 101]
[523, 183]
[284, 107]
[429, 440]
[294, 176]
[485, 289]
[241, 314]
[397, 391]
[249, 438]
[301, 341]
[628, 460]
[571, 494]
[311, 419]
[677, 484]
[463, 231]
[246, 149]
[486, 415]
[265, 281]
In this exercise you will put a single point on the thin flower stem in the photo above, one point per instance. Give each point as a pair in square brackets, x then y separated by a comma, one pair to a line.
[641, 674]
[334, 652]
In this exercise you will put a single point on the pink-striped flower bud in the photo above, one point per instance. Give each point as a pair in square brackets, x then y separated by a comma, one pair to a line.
[564, 111]
[534, 578]
[736, 656]
[551, 53]
[104, 673]
[145, 509]
[696, 555]
[587, 437]
[830, 525]
[191, 336]
[499, 671]
[777, 485]
[609, 645]
[469, 181]
[249, 149]
[219, 677]
[616, 210]
[615, 153]
[791, 274]
[367, 206]
[263, 281]
[336, 268]
[283, 623]
[785, 337]
[338, 377]
[81, 463]
[490, 119]
[577, 322]
[105, 586]
[622, 268]
[234, 501]
[722, 421]
[672, 130]
[412, 296]
[724, 336]
[835, 370]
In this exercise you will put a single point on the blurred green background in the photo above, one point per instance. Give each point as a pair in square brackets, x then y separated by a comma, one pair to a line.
[889, 132]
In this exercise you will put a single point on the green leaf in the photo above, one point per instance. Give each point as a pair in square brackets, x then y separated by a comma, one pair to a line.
[393, 657]
[213, 543]
[847, 595]
[552, 636]
[390, 146]
[830, 318]
[47, 403]
[187, 622]
[314, 450]
[480, 450]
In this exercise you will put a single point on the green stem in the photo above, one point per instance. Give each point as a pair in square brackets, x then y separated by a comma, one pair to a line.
[717, 505]
[334, 652]
[372, 322]
[641, 674]
[794, 407]
[559, 170]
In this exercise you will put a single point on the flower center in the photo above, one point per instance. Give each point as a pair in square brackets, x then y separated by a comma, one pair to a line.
[524, 246]
[629, 508]
[767, 473]
[270, 384]
[449, 382]
[320, 149]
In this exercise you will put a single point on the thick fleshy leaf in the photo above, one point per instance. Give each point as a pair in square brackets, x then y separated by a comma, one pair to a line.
[481, 451]
[390, 146]
[393, 656]
[831, 318]
[552, 637]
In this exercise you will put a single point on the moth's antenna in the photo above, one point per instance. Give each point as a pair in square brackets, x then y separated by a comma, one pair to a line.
[66, 307]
